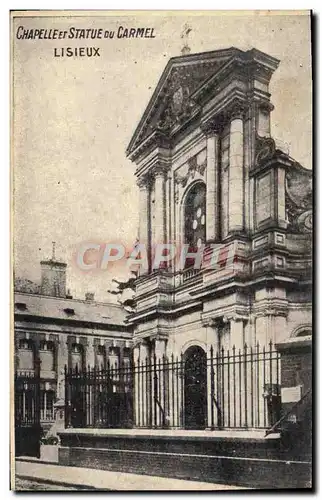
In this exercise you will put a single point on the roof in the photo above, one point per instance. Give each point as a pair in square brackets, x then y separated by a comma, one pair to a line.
[44, 306]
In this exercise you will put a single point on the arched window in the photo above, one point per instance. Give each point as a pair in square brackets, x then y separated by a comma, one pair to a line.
[77, 356]
[47, 356]
[302, 331]
[195, 219]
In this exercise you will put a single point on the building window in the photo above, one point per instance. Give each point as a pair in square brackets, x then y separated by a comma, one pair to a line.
[114, 365]
[127, 357]
[26, 344]
[47, 356]
[114, 357]
[26, 354]
[47, 399]
[100, 356]
[77, 356]
[195, 219]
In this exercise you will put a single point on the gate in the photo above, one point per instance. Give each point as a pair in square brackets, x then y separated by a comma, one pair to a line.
[27, 415]
[195, 388]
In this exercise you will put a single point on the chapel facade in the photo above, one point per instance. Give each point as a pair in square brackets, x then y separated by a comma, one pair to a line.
[209, 173]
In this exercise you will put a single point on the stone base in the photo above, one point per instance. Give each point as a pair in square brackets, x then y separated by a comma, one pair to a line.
[219, 457]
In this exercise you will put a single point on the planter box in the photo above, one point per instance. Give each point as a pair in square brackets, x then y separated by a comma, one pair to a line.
[49, 453]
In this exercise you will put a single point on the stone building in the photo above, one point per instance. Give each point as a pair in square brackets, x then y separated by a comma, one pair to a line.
[209, 173]
[52, 327]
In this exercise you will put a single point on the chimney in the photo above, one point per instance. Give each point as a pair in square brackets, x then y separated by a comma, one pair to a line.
[89, 297]
[53, 276]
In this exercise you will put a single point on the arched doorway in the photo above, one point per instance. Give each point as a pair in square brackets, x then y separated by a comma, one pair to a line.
[195, 388]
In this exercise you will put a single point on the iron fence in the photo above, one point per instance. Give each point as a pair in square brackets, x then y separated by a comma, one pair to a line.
[99, 397]
[236, 388]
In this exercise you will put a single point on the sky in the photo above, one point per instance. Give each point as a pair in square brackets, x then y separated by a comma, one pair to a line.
[72, 119]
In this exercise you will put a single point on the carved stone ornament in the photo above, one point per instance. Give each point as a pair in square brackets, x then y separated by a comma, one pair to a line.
[264, 149]
[176, 194]
[298, 199]
[299, 186]
[305, 222]
[236, 111]
[142, 182]
[193, 167]
[212, 127]
[178, 106]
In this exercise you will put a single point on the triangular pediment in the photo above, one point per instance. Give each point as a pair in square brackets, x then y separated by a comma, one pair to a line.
[171, 102]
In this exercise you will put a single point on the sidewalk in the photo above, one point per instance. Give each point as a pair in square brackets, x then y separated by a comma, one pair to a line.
[105, 480]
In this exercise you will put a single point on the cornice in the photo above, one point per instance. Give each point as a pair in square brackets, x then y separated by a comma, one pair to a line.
[164, 312]
[157, 138]
[271, 307]
[225, 315]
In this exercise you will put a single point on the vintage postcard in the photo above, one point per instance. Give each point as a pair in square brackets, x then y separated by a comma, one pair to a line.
[162, 250]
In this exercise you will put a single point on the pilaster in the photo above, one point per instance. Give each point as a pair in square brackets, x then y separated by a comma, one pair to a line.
[144, 223]
[212, 131]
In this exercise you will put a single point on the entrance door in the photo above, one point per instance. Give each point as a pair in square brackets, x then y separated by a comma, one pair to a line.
[195, 388]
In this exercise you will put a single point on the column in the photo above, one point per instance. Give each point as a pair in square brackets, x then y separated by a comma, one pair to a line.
[247, 168]
[136, 395]
[236, 174]
[212, 390]
[160, 384]
[236, 333]
[169, 209]
[143, 391]
[213, 202]
[160, 212]
[281, 330]
[144, 204]
[237, 365]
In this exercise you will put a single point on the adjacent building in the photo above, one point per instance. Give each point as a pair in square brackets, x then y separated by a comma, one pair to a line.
[53, 328]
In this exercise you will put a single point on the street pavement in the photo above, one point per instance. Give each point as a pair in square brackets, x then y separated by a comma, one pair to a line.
[80, 478]
[32, 485]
